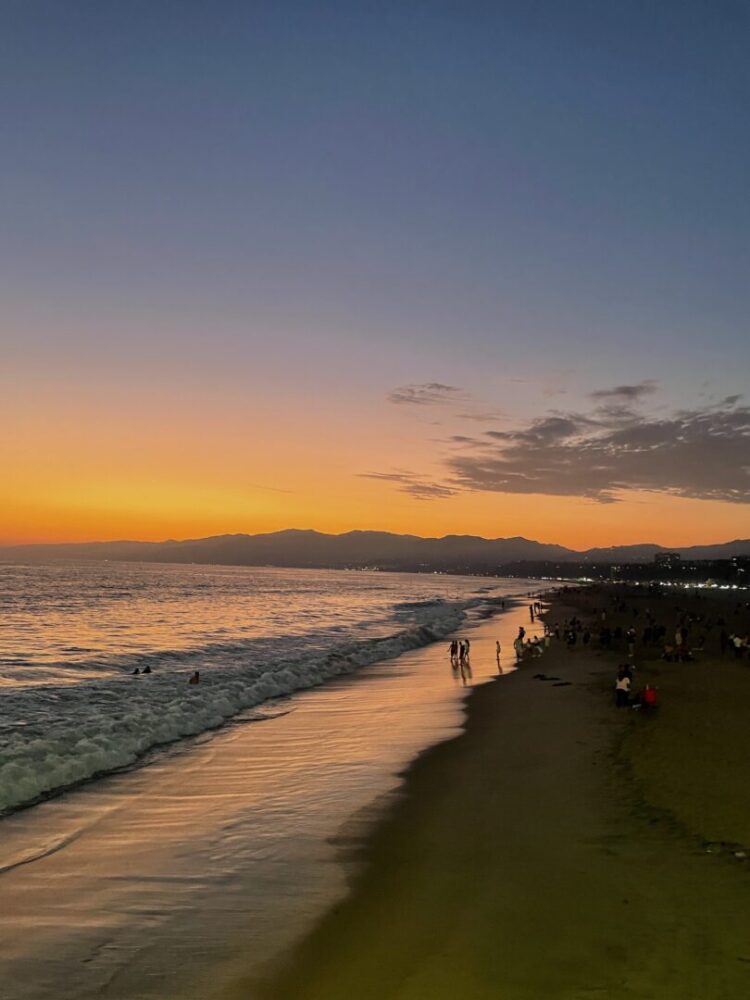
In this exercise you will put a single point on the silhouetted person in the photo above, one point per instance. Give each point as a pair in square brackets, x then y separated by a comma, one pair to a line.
[195, 678]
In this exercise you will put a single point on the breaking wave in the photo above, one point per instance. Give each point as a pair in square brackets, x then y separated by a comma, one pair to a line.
[55, 736]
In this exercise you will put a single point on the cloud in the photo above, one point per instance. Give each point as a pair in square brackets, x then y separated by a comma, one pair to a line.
[414, 485]
[699, 453]
[626, 393]
[270, 489]
[483, 416]
[424, 394]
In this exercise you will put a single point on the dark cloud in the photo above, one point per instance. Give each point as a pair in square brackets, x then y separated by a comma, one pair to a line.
[424, 394]
[409, 482]
[626, 393]
[700, 453]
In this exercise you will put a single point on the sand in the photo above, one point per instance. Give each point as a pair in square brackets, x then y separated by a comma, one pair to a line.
[558, 848]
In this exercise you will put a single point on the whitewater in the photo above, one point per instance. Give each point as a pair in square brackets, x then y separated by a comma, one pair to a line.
[73, 634]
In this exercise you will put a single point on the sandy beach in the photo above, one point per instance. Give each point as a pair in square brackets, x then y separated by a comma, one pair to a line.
[559, 847]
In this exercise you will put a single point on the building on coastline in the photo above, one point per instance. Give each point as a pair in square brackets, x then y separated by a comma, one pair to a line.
[668, 560]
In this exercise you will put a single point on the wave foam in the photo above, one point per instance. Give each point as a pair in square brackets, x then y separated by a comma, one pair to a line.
[53, 737]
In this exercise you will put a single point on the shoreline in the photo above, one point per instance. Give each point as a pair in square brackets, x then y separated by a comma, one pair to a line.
[225, 853]
[517, 861]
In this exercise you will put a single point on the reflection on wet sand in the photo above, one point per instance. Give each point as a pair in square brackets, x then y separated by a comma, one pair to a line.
[160, 878]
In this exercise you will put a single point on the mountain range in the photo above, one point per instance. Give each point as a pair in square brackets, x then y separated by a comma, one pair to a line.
[360, 549]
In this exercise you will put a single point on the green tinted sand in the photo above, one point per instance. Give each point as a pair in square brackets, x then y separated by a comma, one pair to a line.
[554, 850]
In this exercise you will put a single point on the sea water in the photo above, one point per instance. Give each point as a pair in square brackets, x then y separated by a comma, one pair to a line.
[180, 835]
[72, 635]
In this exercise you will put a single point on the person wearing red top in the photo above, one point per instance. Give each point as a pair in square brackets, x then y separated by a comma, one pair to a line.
[649, 698]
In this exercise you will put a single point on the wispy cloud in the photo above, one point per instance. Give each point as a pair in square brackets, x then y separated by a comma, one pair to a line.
[483, 416]
[425, 394]
[270, 489]
[414, 485]
[626, 393]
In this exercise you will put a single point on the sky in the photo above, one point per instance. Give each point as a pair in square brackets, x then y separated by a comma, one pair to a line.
[431, 268]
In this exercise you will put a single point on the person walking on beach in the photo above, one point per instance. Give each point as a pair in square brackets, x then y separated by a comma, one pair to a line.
[467, 647]
[531, 612]
[453, 649]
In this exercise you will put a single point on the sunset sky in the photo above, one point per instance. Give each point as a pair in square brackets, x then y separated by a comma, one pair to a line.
[432, 268]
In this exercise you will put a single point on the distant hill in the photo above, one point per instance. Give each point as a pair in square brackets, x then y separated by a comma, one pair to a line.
[359, 549]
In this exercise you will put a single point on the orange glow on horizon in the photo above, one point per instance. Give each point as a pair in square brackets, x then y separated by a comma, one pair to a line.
[156, 515]
[105, 465]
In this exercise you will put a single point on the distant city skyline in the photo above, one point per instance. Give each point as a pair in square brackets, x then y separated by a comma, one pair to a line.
[431, 270]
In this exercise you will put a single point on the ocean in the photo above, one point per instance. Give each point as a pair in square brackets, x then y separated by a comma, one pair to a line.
[72, 635]
[178, 835]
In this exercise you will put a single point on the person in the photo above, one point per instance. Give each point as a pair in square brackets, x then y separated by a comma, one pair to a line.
[467, 647]
[497, 650]
[195, 678]
[521, 632]
[453, 648]
[136, 671]
[649, 699]
[630, 635]
[518, 646]
[622, 688]
[531, 612]
[147, 669]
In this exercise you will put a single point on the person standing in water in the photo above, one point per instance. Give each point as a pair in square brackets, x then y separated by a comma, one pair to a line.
[497, 655]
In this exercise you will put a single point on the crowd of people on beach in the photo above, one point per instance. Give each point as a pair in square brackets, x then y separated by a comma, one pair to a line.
[684, 642]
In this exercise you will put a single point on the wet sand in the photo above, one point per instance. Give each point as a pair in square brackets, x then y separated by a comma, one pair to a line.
[170, 880]
[558, 848]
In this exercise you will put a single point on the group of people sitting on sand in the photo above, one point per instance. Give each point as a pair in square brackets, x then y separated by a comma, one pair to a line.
[526, 649]
[646, 699]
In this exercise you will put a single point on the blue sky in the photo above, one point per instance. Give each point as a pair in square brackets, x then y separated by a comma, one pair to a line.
[345, 198]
